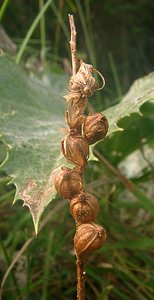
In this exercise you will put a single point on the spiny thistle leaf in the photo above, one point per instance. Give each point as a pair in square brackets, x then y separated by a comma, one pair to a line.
[32, 126]
[140, 92]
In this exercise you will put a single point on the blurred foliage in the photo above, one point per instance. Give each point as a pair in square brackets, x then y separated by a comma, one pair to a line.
[117, 37]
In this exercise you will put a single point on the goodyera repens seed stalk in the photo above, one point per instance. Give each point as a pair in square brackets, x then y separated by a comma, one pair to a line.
[82, 131]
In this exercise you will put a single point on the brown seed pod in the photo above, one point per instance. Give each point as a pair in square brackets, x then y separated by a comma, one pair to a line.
[76, 150]
[84, 208]
[89, 237]
[68, 183]
[95, 127]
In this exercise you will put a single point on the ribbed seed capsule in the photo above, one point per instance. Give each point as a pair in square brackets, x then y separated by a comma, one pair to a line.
[76, 150]
[95, 127]
[84, 208]
[89, 237]
[68, 183]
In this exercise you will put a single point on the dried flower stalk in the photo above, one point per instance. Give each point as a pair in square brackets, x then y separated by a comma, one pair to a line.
[82, 131]
[73, 45]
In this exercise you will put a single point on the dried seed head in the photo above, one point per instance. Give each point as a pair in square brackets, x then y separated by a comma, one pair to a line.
[68, 183]
[95, 127]
[83, 81]
[76, 150]
[89, 237]
[84, 208]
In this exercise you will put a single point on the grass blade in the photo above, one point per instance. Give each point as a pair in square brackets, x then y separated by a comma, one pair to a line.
[3, 9]
[31, 30]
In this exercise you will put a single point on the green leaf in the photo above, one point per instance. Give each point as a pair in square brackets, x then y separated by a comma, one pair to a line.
[32, 125]
[140, 92]
[138, 132]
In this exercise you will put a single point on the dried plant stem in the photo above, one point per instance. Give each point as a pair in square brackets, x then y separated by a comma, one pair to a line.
[79, 263]
[73, 45]
[80, 279]
[82, 131]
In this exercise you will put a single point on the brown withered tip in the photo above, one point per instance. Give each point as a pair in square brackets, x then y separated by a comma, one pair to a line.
[95, 127]
[89, 237]
[68, 183]
[84, 208]
[76, 150]
[83, 81]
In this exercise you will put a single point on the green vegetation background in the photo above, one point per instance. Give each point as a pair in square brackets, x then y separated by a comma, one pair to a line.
[117, 38]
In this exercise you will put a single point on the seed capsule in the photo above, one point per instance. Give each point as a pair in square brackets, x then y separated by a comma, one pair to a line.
[68, 183]
[89, 237]
[76, 150]
[84, 208]
[95, 127]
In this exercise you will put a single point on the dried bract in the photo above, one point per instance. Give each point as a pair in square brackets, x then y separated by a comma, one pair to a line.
[84, 208]
[68, 183]
[83, 81]
[89, 237]
[76, 150]
[75, 122]
[77, 101]
[95, 127]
